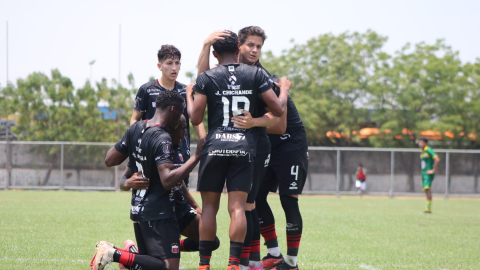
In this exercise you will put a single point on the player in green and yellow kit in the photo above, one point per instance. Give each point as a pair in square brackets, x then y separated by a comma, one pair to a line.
[429, 161]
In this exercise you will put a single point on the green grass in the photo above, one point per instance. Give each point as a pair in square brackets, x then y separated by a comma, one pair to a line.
[58, 230]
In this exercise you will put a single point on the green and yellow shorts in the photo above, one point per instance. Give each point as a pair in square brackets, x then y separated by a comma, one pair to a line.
[427, 180]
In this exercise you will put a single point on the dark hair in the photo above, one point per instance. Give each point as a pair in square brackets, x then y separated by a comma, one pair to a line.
[168, 98]
[227, 46]
[168, 51]
[360, 165]
[251, 31]
[424, 139]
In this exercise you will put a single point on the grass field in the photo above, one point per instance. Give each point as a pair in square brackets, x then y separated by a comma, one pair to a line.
[58, 230]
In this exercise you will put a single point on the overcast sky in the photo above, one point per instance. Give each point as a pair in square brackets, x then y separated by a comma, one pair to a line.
[67, 35]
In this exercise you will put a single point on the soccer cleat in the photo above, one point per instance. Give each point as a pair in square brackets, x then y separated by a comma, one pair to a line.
[233, 267]
[204, 267]
[285, 266]
[103, 255]
[427, 212]
[270, 261]
[255, 268]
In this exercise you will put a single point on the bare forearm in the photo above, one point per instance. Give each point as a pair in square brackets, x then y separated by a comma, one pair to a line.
[125, 176]
[200, 130]
[435, 164]
[204, 59]
[175, 176]
[190, 200]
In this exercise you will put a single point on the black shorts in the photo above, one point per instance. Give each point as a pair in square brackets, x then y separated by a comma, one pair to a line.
[158, 238]
[287, 171]
[185, 219]
[260, 166]
[238, 170]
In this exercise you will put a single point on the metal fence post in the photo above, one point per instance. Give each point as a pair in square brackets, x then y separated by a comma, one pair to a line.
[392, 170]
[62, 184]
[447, 174]
[117, 184]
[338, 174]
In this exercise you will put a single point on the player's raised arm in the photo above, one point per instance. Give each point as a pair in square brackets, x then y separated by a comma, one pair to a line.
[204, 58]
[277, 105]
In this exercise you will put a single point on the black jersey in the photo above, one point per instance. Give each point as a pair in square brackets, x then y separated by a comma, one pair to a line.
[147, 148]
[229, 89]
[177, 191]
[145, 103]
[295, 137]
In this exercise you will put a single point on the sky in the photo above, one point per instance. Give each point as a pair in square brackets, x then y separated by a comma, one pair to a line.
[68, 35]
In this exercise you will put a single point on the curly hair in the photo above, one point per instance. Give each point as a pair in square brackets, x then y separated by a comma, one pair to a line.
[168, 52]
[250, 31]
[227, 46]
[169, 98]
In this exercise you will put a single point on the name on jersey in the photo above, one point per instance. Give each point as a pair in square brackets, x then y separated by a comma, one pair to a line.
[234, 92]
[228, 152]
[230, 137]
[141, 158]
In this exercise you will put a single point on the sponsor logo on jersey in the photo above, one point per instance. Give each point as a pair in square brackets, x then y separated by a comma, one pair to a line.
[232, 80]
[231, 68]
[284, 136]
[230, 137]
[228, 153]
[293, 185]
[175, 248]
[292, 227]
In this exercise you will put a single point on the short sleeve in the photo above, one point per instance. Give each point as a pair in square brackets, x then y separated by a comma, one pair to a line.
[122, 145]
[163, 150]
[431, 153]
[141, 102]
[263, 81]
[202, 84]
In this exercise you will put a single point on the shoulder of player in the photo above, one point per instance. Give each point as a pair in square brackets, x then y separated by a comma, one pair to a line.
[180, 86]
[147, 85]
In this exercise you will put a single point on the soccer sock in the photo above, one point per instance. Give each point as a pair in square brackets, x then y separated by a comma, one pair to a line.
[428, 205]
[235, 253]
[294, 227]
[255, 245]
[205, 248]
[189, 245]
[267, 223]
[244, 259]
[136, 261]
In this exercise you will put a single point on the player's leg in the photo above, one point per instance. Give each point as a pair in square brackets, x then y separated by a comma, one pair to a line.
[292, 177]
[259, 167]
[211, 179]
[427, 187]
[266, 218]
[239, 182]
[189, 226]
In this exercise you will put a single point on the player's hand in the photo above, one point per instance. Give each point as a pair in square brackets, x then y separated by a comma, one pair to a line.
[284, 84]
[243, 122]
[189, 89]
[199, 210]
[200, 144]
[430, 172]
[216, 35]
[137, 181]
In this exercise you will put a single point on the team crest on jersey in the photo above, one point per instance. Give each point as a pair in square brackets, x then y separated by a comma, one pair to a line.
[167, 148]
[175, 248]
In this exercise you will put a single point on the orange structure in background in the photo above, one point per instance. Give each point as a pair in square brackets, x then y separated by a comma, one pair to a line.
[429, 134]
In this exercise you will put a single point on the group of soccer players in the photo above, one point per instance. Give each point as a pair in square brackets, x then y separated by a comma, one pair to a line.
[256, 144]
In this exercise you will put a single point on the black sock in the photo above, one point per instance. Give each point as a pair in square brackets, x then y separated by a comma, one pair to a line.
[266, 219]
[255, 245]
[205, 248]
[294, 223]
[136, 261]
[245, 257]
[235, 253]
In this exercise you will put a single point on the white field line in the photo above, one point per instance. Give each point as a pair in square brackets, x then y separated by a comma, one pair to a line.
[368, 267]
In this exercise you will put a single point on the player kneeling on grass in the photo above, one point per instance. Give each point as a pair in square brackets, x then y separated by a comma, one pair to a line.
[429, 163]
[148, 144]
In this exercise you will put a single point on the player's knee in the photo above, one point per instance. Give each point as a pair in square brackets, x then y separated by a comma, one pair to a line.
[216, 243]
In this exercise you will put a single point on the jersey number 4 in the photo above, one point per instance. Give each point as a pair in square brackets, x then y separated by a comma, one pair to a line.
[235, 109]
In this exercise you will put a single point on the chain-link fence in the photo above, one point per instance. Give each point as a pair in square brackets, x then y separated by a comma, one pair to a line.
[79, 166]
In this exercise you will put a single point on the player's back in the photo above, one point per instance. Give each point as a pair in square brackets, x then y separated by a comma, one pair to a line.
[230, 89]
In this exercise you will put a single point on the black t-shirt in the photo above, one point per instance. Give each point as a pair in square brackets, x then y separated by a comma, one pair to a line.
[295, 137]
[229, 89]
[147, 148]
[180, 201]
[145, 103]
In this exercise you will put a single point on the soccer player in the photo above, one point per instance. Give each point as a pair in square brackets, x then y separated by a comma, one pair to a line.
[228, 152]
[169, 64]
[361, 182]
[263, 144]
[156, 230]
[429, 163]
[287, 169]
